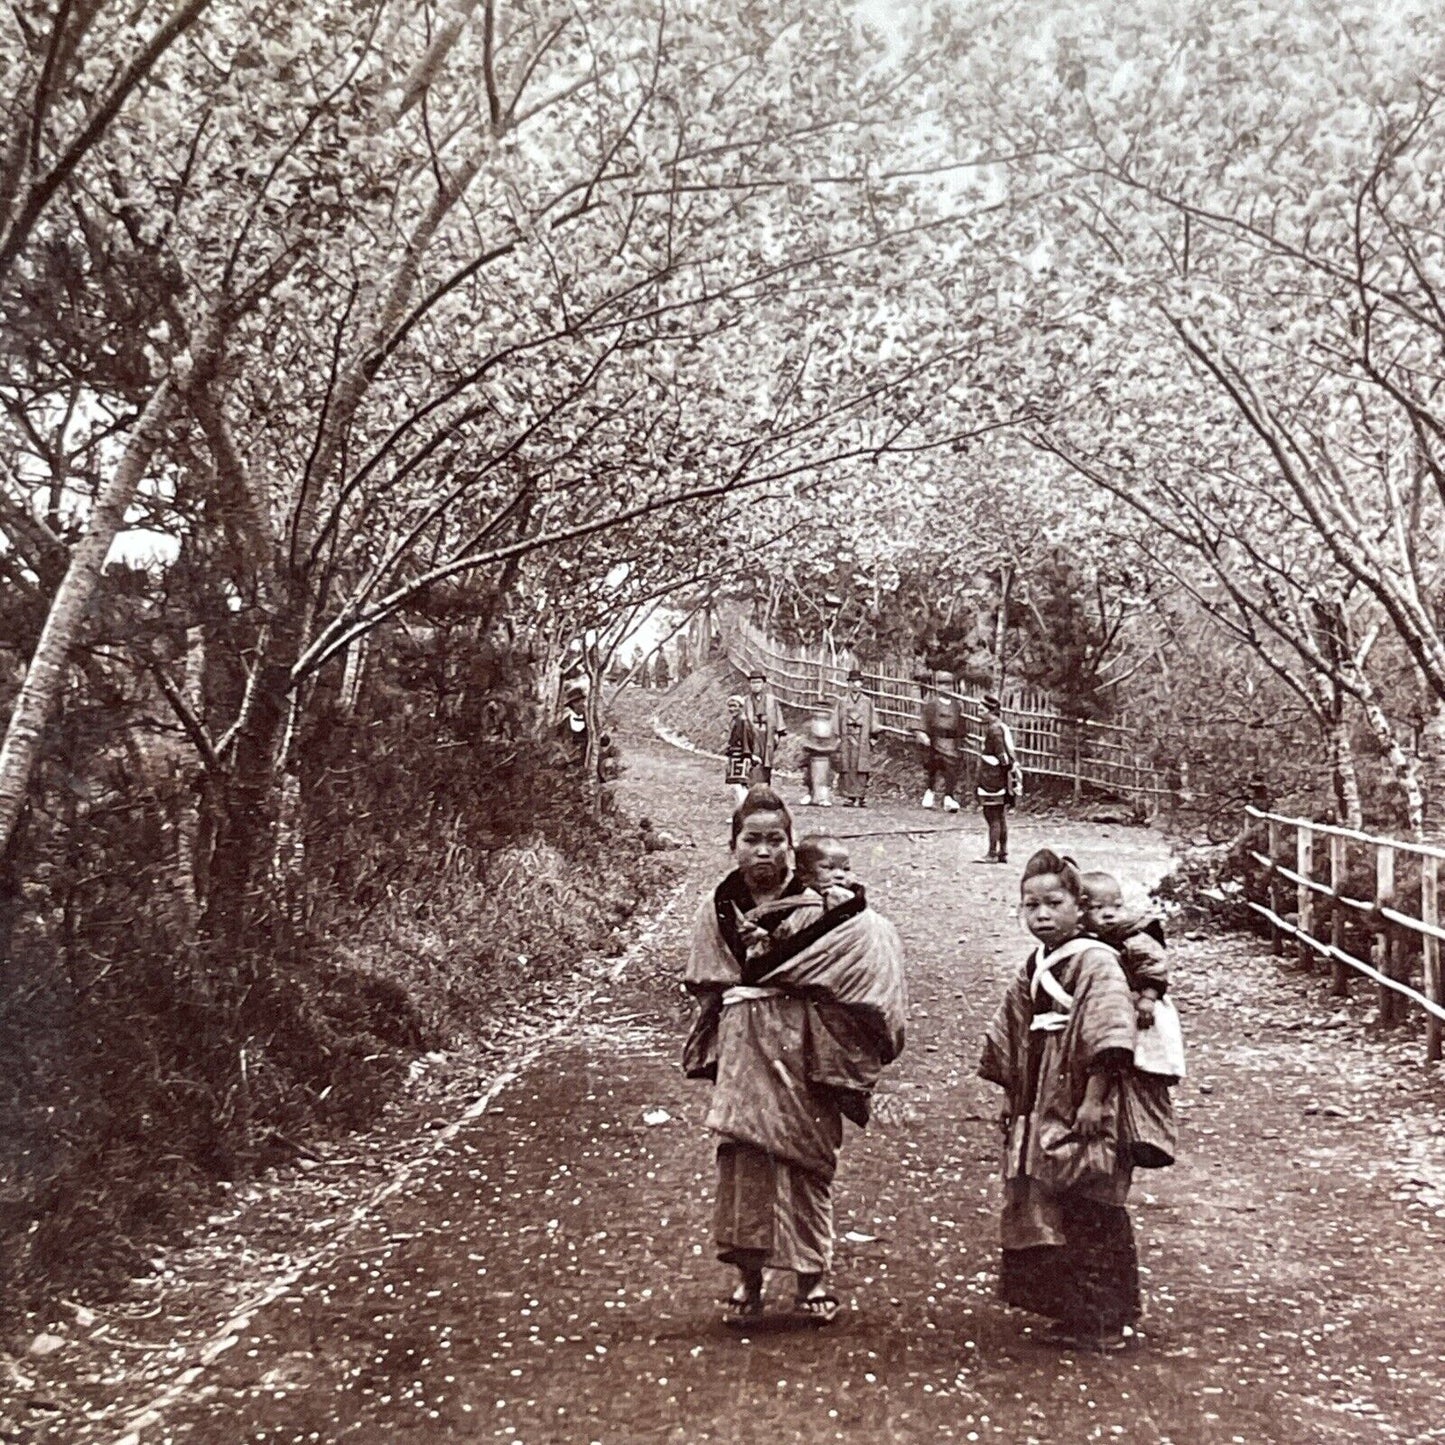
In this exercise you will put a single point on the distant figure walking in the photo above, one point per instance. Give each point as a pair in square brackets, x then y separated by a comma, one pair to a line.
[857, 737]
[939, 738]
[766, 716]
[820, 746]
[997, 767]
[742, 749]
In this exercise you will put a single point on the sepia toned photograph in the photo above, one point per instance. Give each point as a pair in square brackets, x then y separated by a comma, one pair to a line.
[723, 722]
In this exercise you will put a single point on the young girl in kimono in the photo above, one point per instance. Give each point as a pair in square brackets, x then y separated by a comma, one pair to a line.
[1061, 1047]
[742, 750]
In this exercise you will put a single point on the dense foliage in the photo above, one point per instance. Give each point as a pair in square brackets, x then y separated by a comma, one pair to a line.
[366, 369]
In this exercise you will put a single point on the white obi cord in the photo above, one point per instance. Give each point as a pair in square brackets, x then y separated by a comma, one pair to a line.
[746, 992]
[1044, 981]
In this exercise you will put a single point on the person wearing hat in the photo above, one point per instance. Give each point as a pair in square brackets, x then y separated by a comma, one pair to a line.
[857, 737]
[766, 717]
[572, 725]
[999, 778]
[820, 745]
[942, 728]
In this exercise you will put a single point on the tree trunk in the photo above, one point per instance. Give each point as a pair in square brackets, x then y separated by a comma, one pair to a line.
[248, 801]
[1346, 777]
[548, 675]
[288, 853]
[593, 661]
[1432, 770]
[188, 821]
[11, 896]
[38, 693]
[1403, 765]
[354, 673]
[1330, 711]
[1000, 628]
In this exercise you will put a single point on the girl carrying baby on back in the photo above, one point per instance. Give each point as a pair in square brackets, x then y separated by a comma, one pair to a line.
[1061, 1046]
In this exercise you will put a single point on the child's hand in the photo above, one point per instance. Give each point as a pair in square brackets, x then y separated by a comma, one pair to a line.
[1144, 1012]
[1005, 1121]
[753, 934]
[1090, 1121]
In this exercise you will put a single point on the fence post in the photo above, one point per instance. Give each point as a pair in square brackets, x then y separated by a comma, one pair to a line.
[1340, 973]
[1384, 898]
[1304, 896]
[1430, 913]
[1276, 934]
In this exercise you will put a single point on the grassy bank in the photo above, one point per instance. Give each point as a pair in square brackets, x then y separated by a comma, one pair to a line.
[130, 1090]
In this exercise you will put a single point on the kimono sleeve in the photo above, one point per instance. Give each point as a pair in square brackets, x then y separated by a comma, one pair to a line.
[1146, 962]
[1005, 1041]
[710, 970]
[1104, 1013]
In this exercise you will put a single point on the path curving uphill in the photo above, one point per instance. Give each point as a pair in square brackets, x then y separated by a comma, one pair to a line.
[546, 1273]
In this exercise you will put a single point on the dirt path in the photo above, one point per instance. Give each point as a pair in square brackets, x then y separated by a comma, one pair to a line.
[544, 1274]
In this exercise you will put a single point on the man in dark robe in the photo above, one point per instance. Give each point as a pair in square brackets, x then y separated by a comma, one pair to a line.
[940, 736]
[766, 716]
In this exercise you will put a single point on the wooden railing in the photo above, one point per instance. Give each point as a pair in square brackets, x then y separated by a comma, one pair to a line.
[1100, 755]
[1383, 915]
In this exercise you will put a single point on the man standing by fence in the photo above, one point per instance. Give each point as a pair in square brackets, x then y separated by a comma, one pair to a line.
[857, 736]
[939, 737]
[766, 716]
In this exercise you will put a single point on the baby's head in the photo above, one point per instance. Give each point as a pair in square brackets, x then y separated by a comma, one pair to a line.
[821, 862]
[1104, 910]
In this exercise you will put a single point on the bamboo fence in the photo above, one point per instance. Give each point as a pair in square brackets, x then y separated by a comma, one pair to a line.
[1105, 756]
[1403, 909]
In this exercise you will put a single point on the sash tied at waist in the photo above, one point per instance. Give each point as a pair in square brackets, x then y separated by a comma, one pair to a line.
[746, 992]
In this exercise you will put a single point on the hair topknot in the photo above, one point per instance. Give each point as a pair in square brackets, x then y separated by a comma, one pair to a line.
[761, 799]
[1048, 864]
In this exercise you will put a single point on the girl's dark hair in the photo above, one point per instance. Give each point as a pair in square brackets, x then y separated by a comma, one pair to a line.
[761, 799]
[1048, 864]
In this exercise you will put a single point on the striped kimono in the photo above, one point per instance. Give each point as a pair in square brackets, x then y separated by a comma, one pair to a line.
[1068, 1244]
[783, 1072]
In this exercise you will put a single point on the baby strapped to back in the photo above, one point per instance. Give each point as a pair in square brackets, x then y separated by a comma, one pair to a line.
[1086, 1101]
[841, 1056]
[1137, 936]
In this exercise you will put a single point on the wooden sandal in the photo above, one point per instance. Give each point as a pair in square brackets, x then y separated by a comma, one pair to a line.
[819, 1309]
[742, 1310]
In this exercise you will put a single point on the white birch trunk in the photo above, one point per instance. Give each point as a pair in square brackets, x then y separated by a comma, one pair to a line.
[1432, 770]
[1347, 778]
[1402, 764]
[188, 823]
[354, 673]
[1344, 778]
[43, 678]
[288, 857]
